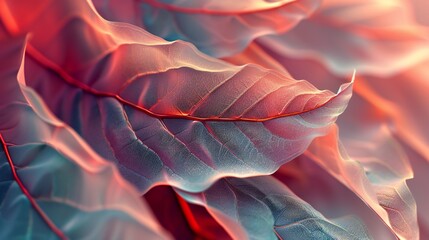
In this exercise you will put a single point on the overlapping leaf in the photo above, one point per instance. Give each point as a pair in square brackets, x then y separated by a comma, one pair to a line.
[376, 172]
[329, 196]
[418, 186]
[366, 130]
[216, 27]
[52, 184]
[163, 111]
[167, 114]
[383, 42]
[396, 103]
[375, 37]
[264, 208]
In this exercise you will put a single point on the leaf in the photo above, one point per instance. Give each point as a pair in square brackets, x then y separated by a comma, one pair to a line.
[418, 186]
[407, 120]
[182, 118]
[313, 184]
[376, 171]
[218, 28]
[390, 50]
[394, 106]
[52, 184]
[377, 167]
[373, 37]
[264, 208]
[387, 47]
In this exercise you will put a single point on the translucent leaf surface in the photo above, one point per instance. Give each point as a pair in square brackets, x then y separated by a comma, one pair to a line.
[379, 180]
[52, 184]
[329, 196]
[376, 37]
[219, 28]
[264, 208]
[183, 219]
[181, 118]
[384, 109]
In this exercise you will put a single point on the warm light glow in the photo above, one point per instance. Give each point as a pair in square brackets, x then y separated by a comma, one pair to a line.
[214, 119]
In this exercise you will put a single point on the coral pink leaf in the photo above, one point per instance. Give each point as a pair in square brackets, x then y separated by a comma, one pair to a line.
[264, 208]
[374, 37]
[52, 184]
[380, 181]
[163, 111]
[217, 27]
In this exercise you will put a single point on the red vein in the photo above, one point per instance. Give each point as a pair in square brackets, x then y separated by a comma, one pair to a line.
[33, 202]
[40, 58]
[174, 8]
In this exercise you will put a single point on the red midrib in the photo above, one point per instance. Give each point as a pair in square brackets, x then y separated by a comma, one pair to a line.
[33, 202]
[41, 59]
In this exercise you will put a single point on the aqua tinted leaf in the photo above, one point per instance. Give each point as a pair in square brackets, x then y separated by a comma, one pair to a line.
[52, 184]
